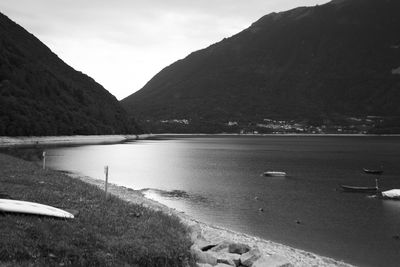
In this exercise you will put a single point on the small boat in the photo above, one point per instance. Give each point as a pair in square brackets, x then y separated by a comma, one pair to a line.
[391, 194]
[361, 189]
[372, 171]
[26, 207]
[274, 173]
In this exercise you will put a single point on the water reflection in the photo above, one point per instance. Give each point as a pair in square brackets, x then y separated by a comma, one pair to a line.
[136, 165]
[217, 180]
[391, 209]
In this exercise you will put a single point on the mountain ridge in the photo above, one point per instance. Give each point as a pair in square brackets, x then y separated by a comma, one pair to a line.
[323, 63]
[41, 95]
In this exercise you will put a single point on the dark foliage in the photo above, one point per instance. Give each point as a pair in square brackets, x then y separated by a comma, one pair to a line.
[313, 63]
[41, 95]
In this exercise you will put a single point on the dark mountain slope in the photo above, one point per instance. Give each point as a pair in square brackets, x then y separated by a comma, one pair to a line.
[41, 95]
[313, 63]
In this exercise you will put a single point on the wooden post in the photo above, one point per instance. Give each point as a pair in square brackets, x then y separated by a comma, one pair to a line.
[44, 160]
[106, 184]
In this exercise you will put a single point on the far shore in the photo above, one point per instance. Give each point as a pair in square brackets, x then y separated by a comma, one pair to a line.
[202, 233]
[11, 141]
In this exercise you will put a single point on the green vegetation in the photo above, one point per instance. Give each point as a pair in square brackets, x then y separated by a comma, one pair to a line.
[41, 95]
[105, 233]
[314, 64]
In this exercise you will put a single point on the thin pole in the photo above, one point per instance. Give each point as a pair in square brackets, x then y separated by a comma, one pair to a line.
[106, 184]
[44, 160]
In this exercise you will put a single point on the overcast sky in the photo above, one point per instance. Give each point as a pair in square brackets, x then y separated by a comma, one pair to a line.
[122, 44]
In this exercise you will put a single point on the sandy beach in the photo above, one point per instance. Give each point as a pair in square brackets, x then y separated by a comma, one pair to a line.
[202, 234]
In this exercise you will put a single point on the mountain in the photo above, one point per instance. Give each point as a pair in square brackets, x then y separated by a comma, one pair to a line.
[41, 95]
[320, 66]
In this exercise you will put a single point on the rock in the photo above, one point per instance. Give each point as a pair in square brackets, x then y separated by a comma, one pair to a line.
[202, 257]
[238, 248]
[198, 239]
[272, 261]
[203, 244]
[207, 247]
[248, 258]
[227, 258]
[223, 246]
[195, 232]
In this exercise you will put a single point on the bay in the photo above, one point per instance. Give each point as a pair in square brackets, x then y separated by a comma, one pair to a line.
[218, 180]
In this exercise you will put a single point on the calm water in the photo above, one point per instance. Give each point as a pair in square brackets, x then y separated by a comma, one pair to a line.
[217, 180]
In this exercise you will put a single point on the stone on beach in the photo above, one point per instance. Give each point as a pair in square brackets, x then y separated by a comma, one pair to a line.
[222, 246]
[248, 258]
[207, 247]
[227, 258]
[202, 256]
[238, 248]
[195, 231]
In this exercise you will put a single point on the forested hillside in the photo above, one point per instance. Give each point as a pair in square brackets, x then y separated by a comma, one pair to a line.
[41, 95]
[321, 66]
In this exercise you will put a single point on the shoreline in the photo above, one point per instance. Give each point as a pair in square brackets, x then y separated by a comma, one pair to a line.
[25, 141]
[277, 134]
[203, 234]
[102, 233]
[28, 141]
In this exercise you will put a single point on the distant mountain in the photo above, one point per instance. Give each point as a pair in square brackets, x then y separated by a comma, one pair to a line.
[41, 95]
[314, 65]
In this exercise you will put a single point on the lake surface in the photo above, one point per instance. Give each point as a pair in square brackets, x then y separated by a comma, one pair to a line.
[218, 180]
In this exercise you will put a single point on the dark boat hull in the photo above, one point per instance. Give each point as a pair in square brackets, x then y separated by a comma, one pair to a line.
[373, 171]
[358, 189]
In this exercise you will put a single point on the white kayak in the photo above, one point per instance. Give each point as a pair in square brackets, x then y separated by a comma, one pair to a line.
[26, 207]
[391, 194]
[274, 173]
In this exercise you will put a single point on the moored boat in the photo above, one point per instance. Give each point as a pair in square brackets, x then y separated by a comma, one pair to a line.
[391, 194]
[361, 189]
[373, 171]
[274, 173]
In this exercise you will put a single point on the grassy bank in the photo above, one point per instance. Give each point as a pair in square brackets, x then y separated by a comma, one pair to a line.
[104, 233]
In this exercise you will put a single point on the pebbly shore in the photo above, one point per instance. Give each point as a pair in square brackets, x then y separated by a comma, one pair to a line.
[215, 246]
